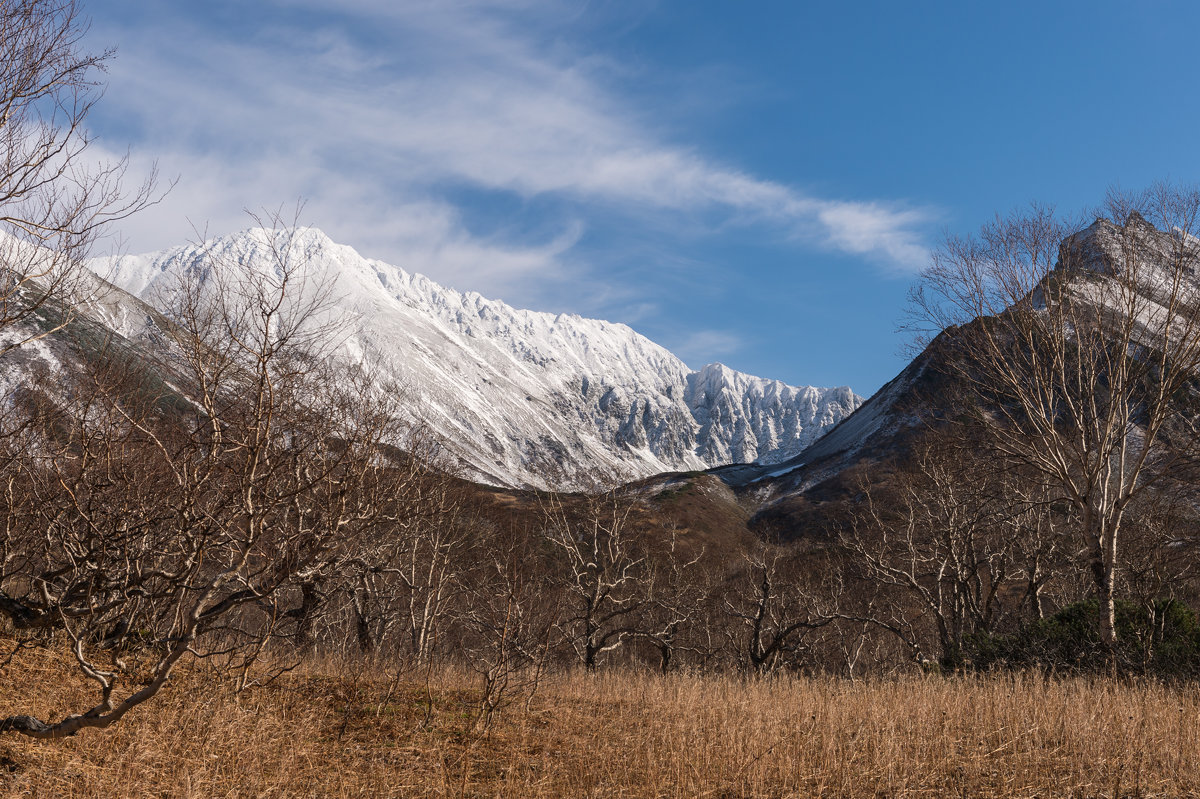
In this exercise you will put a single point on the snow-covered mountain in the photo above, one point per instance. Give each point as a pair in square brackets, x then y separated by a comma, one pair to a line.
[520, 397]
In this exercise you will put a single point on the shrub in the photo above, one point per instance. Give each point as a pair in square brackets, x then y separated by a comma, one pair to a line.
[1162, 639]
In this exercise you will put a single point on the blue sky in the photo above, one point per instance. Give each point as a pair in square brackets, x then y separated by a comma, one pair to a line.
[757, 183]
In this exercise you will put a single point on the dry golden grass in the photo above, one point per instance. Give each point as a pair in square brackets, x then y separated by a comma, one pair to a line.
[621, 733]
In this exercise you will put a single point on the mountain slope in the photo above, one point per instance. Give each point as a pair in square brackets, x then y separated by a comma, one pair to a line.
[520, 397]
[930, 389]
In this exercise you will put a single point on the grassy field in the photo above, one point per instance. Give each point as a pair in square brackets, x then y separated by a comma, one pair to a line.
[317, 732]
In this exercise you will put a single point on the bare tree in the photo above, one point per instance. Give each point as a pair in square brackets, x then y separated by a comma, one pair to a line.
[774, 608]
[1044, 538]
[940, 538]
[53, 204]
[1159, 556]
[602, 568]
[172, 509]
[411, 574]
[1081, 351]
[509, 623]
[675, 591]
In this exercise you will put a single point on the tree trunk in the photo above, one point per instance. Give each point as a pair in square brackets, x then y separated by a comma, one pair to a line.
[362, 627]
[1103, 564]
[310, 599]
[1108, 618]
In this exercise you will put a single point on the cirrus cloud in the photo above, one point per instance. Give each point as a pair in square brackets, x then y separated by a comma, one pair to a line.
[407, 125]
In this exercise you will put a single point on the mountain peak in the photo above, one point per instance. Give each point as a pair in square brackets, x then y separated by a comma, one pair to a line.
[1106, 248]
[525, 397]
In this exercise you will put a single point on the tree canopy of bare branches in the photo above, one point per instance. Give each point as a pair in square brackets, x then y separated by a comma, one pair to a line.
[54, 202]
[1081, 350]
[167, 512]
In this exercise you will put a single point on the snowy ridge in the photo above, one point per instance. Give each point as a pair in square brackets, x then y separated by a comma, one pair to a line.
[520, 397]
[744, 419]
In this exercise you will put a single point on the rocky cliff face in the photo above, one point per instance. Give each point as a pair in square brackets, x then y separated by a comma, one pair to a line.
[744, 419]
[1137, 249]
[521, 397]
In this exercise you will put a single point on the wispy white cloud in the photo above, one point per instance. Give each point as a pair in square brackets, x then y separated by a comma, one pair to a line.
[391, 117]
[419, 233]
[873, 228]
[701, 347]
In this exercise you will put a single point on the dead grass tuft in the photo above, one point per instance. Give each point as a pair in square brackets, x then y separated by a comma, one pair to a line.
[324, 731]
